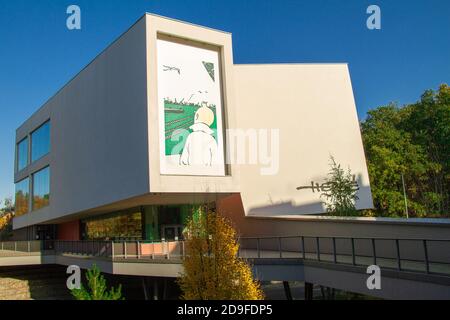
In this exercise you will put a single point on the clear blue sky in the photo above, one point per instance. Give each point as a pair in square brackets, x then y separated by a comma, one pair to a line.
[411, 52]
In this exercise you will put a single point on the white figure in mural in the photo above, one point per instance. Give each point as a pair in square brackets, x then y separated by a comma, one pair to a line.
[200, 147]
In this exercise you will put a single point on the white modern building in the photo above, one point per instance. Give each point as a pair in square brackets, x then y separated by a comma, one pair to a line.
[162, 119]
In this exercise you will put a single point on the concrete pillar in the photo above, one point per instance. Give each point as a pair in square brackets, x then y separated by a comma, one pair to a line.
[287, 290]
[308, 291]
[144, 287]
[155, 289]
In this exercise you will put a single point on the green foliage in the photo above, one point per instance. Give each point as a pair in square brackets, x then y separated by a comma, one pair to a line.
[97, 289]
[414, 141]
[340, 191]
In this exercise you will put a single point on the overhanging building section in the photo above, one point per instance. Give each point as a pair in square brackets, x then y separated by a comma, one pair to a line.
[116, 126]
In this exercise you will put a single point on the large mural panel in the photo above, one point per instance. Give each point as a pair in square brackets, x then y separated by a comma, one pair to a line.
[190, 109]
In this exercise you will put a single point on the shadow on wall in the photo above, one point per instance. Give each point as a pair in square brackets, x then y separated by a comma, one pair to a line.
[314, 208]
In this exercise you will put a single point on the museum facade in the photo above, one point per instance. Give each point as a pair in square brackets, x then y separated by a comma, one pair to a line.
[163, 120]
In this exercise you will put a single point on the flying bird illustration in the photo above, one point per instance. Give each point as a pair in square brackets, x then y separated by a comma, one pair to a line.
[169, 68]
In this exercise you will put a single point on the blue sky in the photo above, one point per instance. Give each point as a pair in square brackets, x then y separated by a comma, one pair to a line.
[410, 53]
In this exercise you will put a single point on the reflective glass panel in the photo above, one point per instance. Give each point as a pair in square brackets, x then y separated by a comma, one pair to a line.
[125, 225]
[40, 142]
[22, 154]
[22, 197]
[41, 188]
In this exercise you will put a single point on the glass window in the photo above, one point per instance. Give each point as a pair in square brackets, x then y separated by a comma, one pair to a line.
[121, 225]
[41, 188]
[22, 154]
[22, 197]
[40, 141]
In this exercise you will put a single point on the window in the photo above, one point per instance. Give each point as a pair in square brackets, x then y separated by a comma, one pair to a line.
[121, 225]
[22, 154]
[40, 141]
[41, 188]
[22, 197]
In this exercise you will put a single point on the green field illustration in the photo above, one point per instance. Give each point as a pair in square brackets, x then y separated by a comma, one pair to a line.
[180, 115]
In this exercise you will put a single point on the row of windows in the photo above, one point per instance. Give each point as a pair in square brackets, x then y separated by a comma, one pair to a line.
[149, 223]
[40, 146]
[40, 192]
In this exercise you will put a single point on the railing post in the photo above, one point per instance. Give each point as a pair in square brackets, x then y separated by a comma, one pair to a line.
[258, 250]
[28, 244]
[279, 247]
[168, 250]
[334, 250]
[318, 248]
[374, 252]
[112, 250]
[153, 250]
[353, 252]
[15, 245]
[425, 249]
[125, 249]
[137, 248]
[303, 247]
[397, 245]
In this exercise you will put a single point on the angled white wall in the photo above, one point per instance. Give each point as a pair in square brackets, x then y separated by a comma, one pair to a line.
[313, 108]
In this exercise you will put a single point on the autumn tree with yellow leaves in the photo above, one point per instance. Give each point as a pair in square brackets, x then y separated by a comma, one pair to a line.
[6, 215]
[212, 269]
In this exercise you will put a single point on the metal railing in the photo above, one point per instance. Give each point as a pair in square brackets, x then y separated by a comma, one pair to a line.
[14, 248]
[148, 250]
[430, 256]
[101, 249]
[84, 248]
[407, 254]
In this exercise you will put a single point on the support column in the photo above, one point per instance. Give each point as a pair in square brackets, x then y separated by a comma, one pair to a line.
[155, 289]
[308, 291]
[144, 287]
[287, 290]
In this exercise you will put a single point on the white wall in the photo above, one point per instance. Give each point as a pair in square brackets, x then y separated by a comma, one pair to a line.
[313, 108]
[99, 147]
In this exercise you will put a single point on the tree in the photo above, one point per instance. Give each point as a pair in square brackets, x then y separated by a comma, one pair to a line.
[340, 190]
[6, 215]
[97, 289]
[413, 141]
[212, 269]
[428, 122]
